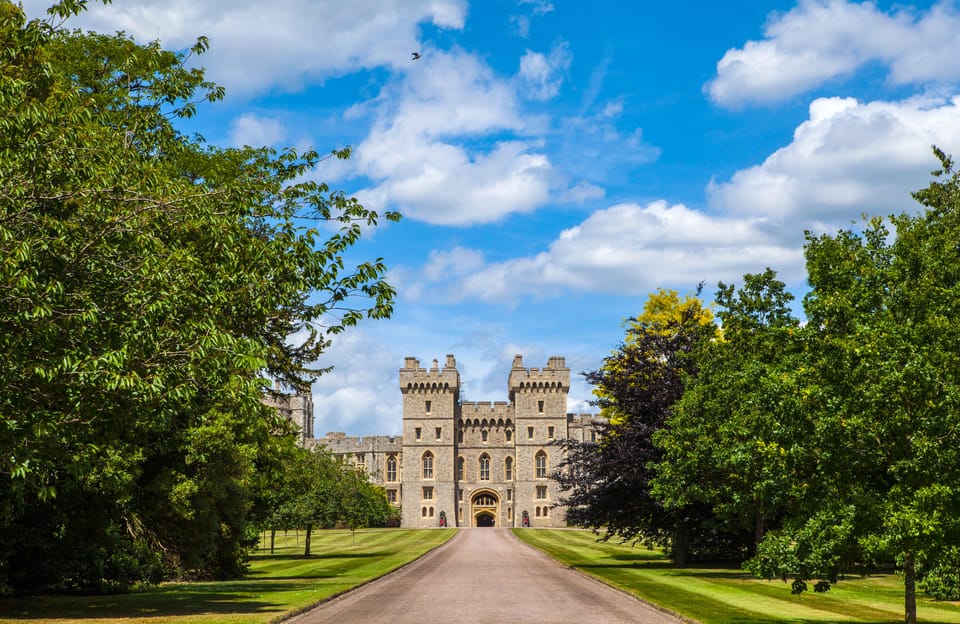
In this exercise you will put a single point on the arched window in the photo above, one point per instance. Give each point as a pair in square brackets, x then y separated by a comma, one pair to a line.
[427, 465]
[509, 435]
[392, 468]
[460, 468]
[541, 461]
[484, 435]
[484, 467]
[508, 469]
[538, 512]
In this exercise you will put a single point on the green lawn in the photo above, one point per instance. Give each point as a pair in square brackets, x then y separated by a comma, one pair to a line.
[716, 595]
[278, 584]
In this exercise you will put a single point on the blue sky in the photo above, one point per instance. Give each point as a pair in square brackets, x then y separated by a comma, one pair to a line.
[555, 162]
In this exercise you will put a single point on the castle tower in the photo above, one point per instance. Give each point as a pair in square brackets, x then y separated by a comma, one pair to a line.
[430, 412]
[539, 397]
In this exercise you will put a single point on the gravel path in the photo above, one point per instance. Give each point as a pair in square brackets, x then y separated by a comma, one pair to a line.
[484, 575]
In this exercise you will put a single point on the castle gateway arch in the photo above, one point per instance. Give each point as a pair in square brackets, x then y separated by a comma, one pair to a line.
[484, 508]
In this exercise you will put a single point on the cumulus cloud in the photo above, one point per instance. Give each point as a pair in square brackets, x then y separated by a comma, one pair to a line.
[284, 44]
[541, 75]
[420, 157]
[848, 158]
[820, 40]
[629, 249]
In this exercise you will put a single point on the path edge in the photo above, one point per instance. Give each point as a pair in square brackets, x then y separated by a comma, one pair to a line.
[288, 616]
[652, 605]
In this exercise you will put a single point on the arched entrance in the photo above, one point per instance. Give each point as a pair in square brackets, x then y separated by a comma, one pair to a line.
[485, 508]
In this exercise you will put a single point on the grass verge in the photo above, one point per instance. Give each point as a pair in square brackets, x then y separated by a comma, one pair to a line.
[278, 585]
[723, 595]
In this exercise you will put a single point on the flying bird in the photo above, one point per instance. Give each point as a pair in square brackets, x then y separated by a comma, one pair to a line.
[415, 55]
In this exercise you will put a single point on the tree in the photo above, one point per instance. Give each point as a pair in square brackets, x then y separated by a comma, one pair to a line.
[609, 482]
[150, 283]
[734, 441]
[883, 394]
[320, 490]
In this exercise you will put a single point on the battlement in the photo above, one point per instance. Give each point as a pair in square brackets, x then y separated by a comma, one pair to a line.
[485, 409]
[414, 378]
[554, 377]
[339, 443]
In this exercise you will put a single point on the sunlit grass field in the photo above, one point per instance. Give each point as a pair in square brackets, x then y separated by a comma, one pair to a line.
[719, 595]
[278, 585]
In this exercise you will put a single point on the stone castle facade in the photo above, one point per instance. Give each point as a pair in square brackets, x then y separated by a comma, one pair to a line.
[462, 463]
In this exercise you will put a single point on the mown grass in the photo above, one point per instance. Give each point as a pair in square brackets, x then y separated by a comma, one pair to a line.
[723, 595]
[278, 585]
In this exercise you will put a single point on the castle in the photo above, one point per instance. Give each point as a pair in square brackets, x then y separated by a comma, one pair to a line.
[462, 463]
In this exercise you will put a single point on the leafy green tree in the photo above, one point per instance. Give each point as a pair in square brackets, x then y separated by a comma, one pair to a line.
[320, 490]
[883, 394]
[735, 440]
[149, 283]
[609, 483]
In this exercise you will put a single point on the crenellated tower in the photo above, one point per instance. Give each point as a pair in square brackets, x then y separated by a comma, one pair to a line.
[539, 398]
[431, 405]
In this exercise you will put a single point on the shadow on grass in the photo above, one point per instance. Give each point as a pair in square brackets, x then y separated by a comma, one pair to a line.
[173, 601]
[285, 557]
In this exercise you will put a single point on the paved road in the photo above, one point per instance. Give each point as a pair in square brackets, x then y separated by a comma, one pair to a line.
[484, 575]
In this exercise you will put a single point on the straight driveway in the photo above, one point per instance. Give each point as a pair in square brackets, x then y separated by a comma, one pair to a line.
[484, 575]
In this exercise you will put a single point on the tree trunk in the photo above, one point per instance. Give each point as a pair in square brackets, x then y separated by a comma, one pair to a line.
[680, 546]
[306, 541]
[909, 589]
[757, 525]
[273, 539]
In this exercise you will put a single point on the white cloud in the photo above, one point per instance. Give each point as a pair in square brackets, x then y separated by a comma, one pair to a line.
[541, 75]
[848, 158]
[258, 46]
[256, 131]
[540, 7]
[628, 249]
[419, 154]
[824, 39]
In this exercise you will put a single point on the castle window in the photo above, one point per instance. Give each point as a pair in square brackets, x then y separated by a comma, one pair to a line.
[460, 494]
[428, 493]
[593, 436]
[538, 512]
[545, 511]
[361, 463]
[508, 469]
[392, 469]
[509, 435]
[539, 407]
[550, 432]
[541, 462]
[423, 512]
[439, 432]
[427, 407]
[461, 463]
[417, 432]
[484, 467]
[427, 465]
[431, 512]
[460, 436]
[483, 435]
[509, 513]
[541, 492]
[392, 497]
[529, 433]
[509, 494]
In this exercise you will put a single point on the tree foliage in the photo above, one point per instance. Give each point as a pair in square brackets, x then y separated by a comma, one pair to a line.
[149, 282]
[884, 391]
[609, 483]
[734, 441]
